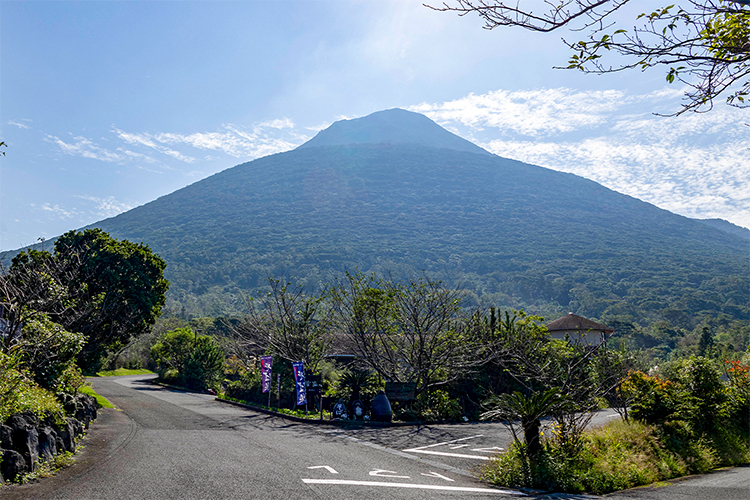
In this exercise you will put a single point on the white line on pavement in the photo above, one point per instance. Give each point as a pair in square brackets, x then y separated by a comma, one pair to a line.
[447, 442]
[425, 451]
[412, 486]
[444, 454]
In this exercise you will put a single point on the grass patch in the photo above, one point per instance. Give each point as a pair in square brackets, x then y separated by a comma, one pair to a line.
[101, 401]
[123, 371]
[617, 456]
[48, 469]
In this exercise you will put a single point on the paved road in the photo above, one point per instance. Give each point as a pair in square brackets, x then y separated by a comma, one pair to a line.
[166, 444]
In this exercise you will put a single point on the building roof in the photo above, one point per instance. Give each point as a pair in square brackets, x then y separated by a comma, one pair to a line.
[574, 322]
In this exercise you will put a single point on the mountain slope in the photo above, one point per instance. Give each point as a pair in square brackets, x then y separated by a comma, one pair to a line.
[514, 234]
[728, 227]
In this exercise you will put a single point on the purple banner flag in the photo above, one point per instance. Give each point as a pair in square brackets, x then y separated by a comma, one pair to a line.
[266, 362]
[299, 378]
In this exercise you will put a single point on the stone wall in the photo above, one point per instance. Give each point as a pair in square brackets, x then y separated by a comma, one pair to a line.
[25, 438]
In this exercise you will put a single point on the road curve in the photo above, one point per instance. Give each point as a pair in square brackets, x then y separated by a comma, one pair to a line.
[164, 444]
[167, 444]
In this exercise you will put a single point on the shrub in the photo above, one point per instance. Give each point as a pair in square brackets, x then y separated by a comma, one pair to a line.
[618, 456]
[18, 392]
[183, 358]
[438, 405]
[48, 350]
[247, 388]
[204, 365]
[353, 384]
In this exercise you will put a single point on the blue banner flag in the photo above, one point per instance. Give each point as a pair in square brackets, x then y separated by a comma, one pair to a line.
[299, 378]
[266, 363]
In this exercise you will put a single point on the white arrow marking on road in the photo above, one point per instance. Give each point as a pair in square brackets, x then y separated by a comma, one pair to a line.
[413, 486]
[379, 473]
[488, 450]
[326, 467]
[439, 476]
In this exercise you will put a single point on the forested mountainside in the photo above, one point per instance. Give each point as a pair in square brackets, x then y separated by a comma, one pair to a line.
[365, 195]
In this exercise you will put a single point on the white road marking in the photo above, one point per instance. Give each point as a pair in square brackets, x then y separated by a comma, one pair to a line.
[444, 454]
[447, 442]
[494, 449]
[386, 473]
[425, 451]
[326, 467]
[465, 489]
[439, 476]
[398, 453]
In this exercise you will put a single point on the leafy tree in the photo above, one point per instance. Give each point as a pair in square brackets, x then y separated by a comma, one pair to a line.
[287, 323]
[706, 342]
[411, 332]
[123, 281]
[171, 351]
[704, 45]
[204, 364]
[562, 380]
[195, 361]
[48, 350]
[108, 290]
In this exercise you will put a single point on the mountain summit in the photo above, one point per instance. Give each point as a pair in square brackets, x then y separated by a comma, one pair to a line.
[392, 126]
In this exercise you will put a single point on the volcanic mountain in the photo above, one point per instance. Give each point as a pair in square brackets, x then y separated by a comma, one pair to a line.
[394, 192]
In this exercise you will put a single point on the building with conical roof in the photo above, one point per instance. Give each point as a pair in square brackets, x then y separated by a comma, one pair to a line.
[579, 330]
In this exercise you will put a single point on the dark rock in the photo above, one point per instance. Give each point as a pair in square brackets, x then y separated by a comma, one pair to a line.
[47, 448]
[67, 434]
[77, 427]
[381, 408]
[6, 437]
[25, 437]
[60, 444]
[13, 465]
[86, 409]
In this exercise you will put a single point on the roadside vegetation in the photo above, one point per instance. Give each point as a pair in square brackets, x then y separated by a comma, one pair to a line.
[684, 410]
[689, 417]
[64, 314]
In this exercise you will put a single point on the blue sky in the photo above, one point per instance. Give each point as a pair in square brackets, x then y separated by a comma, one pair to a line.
[108, 105]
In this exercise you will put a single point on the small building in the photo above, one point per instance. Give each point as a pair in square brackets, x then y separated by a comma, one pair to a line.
[579, 330]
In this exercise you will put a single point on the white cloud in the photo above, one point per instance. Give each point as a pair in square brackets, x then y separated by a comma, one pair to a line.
[150, 142]
[106, 207]
[278, 123]
[258, 140]
[532, 113]
[59, 211]
[18, 124]
[694, 164]
[86, 148]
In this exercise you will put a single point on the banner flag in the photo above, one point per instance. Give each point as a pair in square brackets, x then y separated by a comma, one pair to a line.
[299, 378]
[266, 363]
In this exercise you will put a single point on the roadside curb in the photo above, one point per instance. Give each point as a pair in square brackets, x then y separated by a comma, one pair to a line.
[335, 423]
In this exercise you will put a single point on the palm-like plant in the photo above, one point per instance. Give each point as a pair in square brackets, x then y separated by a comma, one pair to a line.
[528, 410]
